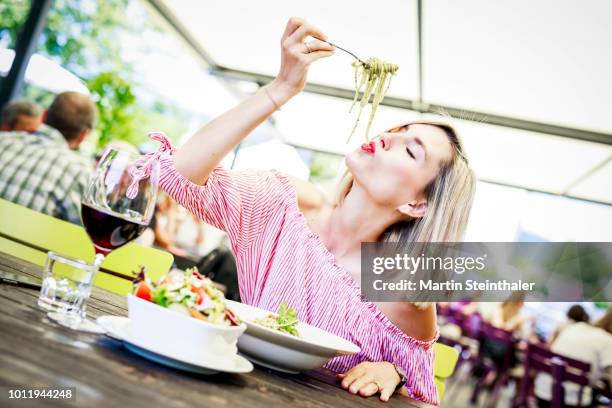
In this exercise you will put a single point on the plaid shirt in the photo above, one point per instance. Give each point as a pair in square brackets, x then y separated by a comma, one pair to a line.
[40, 171]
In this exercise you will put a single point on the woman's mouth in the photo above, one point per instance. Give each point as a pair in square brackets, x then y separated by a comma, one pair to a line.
[369, 147]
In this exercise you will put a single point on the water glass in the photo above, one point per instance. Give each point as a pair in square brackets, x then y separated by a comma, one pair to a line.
[66, 286]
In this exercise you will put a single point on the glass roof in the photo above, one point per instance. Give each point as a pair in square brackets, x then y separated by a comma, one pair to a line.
[246, 35]
[528, 159]
[541, 61]
[500, 212]
[546, 60]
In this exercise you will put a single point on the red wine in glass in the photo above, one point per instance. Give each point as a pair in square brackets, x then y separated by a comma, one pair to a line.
[107, 230]
[111, 215]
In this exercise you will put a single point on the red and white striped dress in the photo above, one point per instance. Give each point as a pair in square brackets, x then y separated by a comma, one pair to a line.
[279, 258]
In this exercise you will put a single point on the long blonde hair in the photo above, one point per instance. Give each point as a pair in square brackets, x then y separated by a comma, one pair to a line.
[449, 199]
[511, 307]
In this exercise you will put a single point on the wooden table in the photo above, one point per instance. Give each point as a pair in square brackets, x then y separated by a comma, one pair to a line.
[36, 352]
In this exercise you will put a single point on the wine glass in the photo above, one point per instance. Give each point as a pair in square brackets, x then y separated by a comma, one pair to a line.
[116, 208]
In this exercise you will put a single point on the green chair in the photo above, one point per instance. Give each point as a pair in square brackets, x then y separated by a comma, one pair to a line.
[28, 235]
[445, 361]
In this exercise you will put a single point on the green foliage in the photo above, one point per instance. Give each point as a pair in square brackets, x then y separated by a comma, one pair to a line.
[12, 15]
[41, 96]
[170, 120]
[323, 166]
[115, 101]
[81, 35]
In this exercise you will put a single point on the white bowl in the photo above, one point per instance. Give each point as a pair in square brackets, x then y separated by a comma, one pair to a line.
[165, 330]
[282, 351]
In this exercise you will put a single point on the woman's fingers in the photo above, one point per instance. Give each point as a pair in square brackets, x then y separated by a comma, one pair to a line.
[293, 24]
[361, 382]
[352, 375]
[388, 388]
[305, 30]
[296, 57]
[314, 44]
[368, 390]
[313, 56]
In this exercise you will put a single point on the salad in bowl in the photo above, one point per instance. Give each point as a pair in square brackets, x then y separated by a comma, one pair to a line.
[285, 321]
[187, 292]
[182, 315]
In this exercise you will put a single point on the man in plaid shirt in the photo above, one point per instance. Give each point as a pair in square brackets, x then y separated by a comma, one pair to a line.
[42, 170]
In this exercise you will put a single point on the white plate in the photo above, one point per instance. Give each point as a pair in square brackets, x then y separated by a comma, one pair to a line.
[117, 328]
[282, 351]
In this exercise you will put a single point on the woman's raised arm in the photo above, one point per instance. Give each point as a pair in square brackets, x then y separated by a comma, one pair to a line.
[205, 149]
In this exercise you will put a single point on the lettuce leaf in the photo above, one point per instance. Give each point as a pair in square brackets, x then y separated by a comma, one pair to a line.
[287, 320]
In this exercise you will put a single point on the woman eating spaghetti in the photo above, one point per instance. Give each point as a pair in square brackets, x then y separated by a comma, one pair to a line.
[409, 184]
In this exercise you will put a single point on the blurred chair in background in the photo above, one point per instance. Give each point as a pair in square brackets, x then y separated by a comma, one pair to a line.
[561, 371]
[496, 357]
[589, 344]
[28, 235]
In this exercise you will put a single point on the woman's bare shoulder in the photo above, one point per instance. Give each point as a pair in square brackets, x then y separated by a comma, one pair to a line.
[310, 198]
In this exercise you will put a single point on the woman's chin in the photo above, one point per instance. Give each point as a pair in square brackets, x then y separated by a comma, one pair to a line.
[353, 161]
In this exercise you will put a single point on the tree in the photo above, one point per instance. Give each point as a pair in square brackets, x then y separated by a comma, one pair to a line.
[82, 36]
[115, 102]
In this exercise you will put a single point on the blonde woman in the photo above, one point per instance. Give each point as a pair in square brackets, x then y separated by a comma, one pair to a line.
[410, 183]
[508, 315]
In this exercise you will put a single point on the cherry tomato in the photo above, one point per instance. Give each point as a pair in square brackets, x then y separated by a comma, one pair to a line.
[143, 291]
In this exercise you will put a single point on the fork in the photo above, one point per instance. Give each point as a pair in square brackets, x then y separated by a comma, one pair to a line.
[347, 51]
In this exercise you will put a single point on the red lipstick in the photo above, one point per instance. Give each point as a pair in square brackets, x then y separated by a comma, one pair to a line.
[369, 147]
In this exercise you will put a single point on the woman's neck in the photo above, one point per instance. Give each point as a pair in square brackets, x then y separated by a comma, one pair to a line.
[358, 219]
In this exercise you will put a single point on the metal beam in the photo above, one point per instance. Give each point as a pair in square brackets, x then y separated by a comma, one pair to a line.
[24, 48]
[420, 93]
[586, 175]
[550, 193]
[160, 7]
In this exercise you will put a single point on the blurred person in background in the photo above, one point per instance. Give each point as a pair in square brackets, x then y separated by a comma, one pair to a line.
[190, 232]
[487, 309]
[410, 184]
[21, 116]
[508, 315]
[43, 171]
[164, 225]
[581, 341]
[575, 314]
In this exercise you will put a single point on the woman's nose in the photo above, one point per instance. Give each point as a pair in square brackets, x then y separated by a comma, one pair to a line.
[385, 142]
